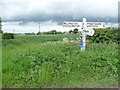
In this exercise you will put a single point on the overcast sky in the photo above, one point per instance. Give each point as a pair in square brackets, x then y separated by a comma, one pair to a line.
[58, 10]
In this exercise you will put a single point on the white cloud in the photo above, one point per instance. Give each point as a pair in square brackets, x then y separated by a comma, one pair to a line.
[58, 8]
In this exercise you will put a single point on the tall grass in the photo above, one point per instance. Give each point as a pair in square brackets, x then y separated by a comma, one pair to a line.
[57, 64]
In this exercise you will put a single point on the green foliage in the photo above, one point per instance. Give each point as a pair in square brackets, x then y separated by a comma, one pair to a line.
[104, 35]
[58, 32]
[39, 33]
[59, 65]
[70, 31]
[21, 39]
[52, 32]
[35, 62]
[75, 31]
[1, 31]
[30, 33]
[8, 36]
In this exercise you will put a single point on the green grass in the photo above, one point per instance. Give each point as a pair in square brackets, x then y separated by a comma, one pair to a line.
[21, 39]
[58, 64]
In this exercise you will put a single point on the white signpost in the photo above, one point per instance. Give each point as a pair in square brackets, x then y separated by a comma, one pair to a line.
[84, 30]
[89, 32]
[71, 24]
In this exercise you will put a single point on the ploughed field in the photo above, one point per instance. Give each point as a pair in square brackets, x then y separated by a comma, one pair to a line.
[47, 61]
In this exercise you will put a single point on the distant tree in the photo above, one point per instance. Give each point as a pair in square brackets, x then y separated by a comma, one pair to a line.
[8, 36]
[53, 32]
[70, 31]
[27, 33]
[59, 33]
[75, 31]
[30, 33]
[1, 25]
[39, 33]
[43, 32]
[1, 31]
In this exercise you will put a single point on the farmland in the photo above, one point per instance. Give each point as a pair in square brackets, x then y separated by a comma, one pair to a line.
[46, 61]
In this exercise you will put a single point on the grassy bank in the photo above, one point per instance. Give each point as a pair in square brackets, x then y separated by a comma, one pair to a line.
[58, 64]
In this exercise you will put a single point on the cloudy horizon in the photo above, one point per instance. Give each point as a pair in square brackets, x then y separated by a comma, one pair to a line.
[58, 10]
[55, 12]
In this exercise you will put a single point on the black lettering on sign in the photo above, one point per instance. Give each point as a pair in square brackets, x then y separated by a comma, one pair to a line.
[86, 31]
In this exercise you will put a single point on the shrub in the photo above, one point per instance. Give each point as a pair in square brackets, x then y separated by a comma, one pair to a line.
[8, 36]
[39, 33]
[104, 35]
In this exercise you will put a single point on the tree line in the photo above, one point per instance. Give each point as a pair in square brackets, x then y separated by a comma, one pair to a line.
[75, 31]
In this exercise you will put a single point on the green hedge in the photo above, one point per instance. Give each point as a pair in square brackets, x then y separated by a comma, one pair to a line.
[104, 35]
[8, 36]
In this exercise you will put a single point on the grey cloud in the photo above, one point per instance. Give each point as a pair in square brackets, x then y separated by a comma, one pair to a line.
[59, 18]
[59, 12]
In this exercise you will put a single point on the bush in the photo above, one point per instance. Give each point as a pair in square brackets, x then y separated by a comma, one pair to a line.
[75, 31]
[104, 35]
[1, 31]
[8, 36]
[39, 33]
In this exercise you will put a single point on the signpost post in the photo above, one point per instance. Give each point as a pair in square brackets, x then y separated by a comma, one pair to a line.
[84, 26]
[84, 30]
[83, 40]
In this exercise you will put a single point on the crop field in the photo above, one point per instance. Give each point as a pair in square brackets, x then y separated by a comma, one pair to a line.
[47, 61]
[21, 39]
